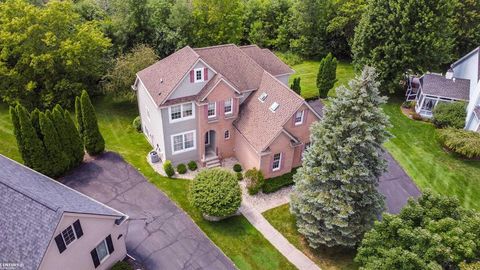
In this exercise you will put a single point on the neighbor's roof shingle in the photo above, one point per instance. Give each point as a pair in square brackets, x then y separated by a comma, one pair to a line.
[257, 123]
[31, 206]
[171, 70]
[437, 85]
[239, 69]
[267, 60]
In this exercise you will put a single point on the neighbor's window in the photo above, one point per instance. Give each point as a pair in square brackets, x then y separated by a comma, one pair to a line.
[228, 106]
[299, 117]
[276, 161]
[212, 109]
[102, 251]
[199, 75]
[183, 142]
[68, 235]
[181, 112]
[227, 134]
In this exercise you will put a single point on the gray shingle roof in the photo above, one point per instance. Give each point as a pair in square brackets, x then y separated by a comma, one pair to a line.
[31, 206]
[437, 85]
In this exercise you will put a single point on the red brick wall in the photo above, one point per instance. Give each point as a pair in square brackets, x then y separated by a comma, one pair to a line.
[280, 145]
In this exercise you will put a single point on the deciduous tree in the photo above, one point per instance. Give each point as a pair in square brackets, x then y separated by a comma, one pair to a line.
[395, 36]
[335, 197]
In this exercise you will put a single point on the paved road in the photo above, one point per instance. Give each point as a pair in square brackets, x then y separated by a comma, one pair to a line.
[160, 234]
[397, 186]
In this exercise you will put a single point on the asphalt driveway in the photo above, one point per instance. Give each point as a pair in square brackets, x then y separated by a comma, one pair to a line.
[396, 186]
[160, 235]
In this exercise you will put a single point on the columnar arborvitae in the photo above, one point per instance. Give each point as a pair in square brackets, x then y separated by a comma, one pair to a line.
[58, 121]
[34, 148]
[57, 160]
[79, 116]
[335, 198]
[35, 117]
[93, 140]
[76, 142]
[295, 86]
[327, 75]
[18, 135]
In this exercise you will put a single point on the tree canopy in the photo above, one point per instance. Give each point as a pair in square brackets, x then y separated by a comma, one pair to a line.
[48, 53]
[434, 232]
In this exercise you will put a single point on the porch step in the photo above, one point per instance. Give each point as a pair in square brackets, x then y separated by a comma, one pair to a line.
[212, 163]
[210, 158]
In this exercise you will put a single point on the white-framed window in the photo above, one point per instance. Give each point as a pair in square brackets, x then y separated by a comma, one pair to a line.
[226, 135]
[181, 112]
[212, 109]
[277, 160]
[183, 142]
[69, 235]
[274, 106]
[228, 106]
[198, 74]
[102, 251]
[299, 117]
[263, 97]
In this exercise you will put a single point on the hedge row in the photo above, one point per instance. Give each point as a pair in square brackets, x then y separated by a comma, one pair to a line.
[273, 184]
[463, 142]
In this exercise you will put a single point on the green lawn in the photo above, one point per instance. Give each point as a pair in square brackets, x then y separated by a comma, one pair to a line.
[325, 258]
[417, 149]
[237, 238]
[307, 71]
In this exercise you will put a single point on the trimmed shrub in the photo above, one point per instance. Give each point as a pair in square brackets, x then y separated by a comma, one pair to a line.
[450, 114]
[463, 142]
[273, 184]
[168, 168]
[137, 124]
[121, 265]
[181, 168]
[192, 165]
[215, 192]
[255, 181]
[239, 176]
[237, 168]
[93, 139]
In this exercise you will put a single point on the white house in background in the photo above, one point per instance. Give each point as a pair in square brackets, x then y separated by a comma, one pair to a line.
[460, 83]
[47, 225]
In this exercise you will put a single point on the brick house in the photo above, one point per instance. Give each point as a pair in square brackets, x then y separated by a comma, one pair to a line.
[207, 104]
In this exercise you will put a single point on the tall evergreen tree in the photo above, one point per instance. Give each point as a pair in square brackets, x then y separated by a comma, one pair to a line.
[35, 117]
[79, 116]
[395, 36]
[59, 123]
[335, 197]
[295, 86]
[34, 147]
[76, 142]
[18, 134]
[327, 75]
[57, 160]
[93, 139]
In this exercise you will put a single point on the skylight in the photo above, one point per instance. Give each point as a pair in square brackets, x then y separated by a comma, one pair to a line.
[274, 106]
[263, 97]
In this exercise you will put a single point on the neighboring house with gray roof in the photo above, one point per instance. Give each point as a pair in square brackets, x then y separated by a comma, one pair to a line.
[47, 225]
[460, 83]
[208, 104]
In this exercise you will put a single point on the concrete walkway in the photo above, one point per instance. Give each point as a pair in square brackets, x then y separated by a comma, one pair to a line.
[295, 256]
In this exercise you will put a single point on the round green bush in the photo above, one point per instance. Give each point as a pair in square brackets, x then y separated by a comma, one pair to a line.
[192, 165]
[239, 176]
[181, 168]
[137, 124]
[255, 181]
[237, 168]
[168, 168]
[449, 114]
[463, 142]
[121, 265]
[215, 192]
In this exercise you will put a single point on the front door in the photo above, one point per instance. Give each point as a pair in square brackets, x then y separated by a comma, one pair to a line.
[210, 143]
